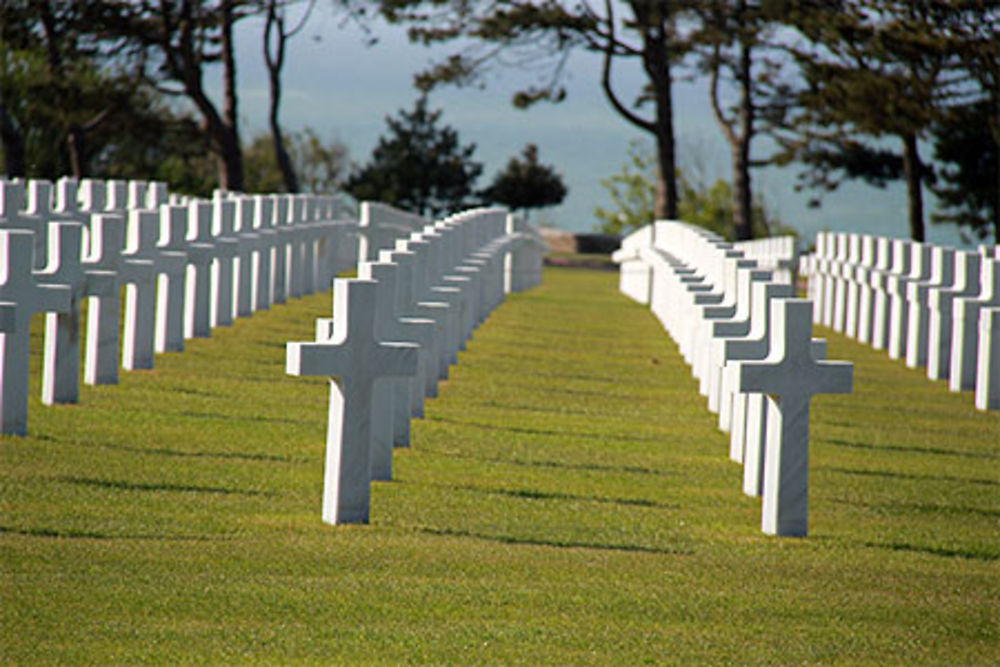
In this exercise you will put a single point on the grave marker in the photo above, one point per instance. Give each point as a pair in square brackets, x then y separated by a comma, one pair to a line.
[355, 359]
[790, 377]
[18, 287]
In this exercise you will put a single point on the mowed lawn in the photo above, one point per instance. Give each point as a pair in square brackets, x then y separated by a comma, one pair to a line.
[567, 499]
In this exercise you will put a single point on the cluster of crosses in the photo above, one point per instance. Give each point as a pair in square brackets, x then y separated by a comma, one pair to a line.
[934, 306]
[750, 344]
[394, 333]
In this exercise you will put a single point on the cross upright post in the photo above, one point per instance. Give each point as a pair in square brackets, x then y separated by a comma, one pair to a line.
[354, 359]
[391, 407]
[201, 253]
[247, 241]
[226, 251]
[790, 377]
[107, 239]
[140, 274]
[279, 266]
[171, 290]
[265, 252]
[423, 330]
[19, 287]
[61, 363]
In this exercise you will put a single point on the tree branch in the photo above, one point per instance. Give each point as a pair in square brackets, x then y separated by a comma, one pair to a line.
[725, 123]
[609, 92]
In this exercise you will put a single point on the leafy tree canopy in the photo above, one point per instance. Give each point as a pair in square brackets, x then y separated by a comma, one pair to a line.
[526, 183]
[970, 161]
[419, 165]
[633, 191]
[320, 166]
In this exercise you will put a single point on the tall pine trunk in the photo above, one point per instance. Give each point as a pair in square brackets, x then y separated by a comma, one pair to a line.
[742, 196]
[912, 170]
[229, 141]
[995, 125]
[13, 145]
[657, 65]
[77, 151]
[274, 64]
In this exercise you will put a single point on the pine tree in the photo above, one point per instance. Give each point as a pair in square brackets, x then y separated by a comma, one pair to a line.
[418, 165]
[874, 71]
[538, 37]
[526, 183]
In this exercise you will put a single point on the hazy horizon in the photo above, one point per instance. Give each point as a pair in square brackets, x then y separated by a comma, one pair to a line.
[343, 89]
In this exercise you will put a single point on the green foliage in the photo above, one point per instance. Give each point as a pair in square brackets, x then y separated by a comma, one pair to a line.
[320, 166]
[633, 191]
[560, 504]
[970, 159]
[418, 165]
[525, 184]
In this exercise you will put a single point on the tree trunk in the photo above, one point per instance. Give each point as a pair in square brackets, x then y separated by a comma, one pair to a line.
[996, 201]
[13, 145]
[742, 211]
[912, 168]
[77, 151]
[996, 192]
[274, 65]
[232, 156]
[657, 64]
[742, 196]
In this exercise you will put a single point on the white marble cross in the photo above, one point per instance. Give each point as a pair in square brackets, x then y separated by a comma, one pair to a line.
[201, 253]
[107, 239]
[355, 359]
[988, 360]
[391, 428]
[61, 362]
[278, 224]
[19, 287]
[247, 241]
[139, 333]
[265, 250]
[226, 250]
[965, 326]
[790, 376]
[171, 289]
[424, 330]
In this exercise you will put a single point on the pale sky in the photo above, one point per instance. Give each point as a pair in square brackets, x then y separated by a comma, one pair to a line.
[344, 89]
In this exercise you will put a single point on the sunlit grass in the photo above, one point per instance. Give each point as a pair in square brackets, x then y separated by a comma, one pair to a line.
[567, 499]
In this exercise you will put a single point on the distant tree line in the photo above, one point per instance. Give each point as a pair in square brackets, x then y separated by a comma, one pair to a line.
[845, 89]
[117, 88]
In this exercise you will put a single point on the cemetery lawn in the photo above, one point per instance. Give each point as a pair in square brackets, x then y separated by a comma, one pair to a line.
[567, 499]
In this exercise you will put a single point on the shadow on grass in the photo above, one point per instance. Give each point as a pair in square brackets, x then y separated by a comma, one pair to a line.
[913, 450]
[902, 475]
[91, 535]
[240, 418]
[927, 508]
[968, 554]
[177, 453]
[533, 494]
[632, 470]
[532, 408]
[547, 432]
[554, 543]
[177, 488]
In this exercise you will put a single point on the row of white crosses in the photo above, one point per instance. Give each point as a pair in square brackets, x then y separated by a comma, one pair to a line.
[932, 305]
[750, 345]
[395, 331]
[186, 265]
[779, 254]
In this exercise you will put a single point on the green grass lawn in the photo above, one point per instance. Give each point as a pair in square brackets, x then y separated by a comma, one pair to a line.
[567, 499]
